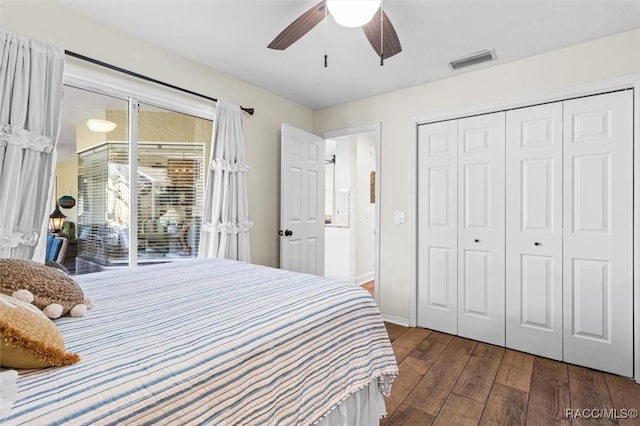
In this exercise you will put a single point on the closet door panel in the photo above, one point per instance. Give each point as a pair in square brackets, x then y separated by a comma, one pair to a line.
[598, 232]
[536, 299]
[476, 289]
[477, 194]
[481, 228]
[437, 226]
[534, 230]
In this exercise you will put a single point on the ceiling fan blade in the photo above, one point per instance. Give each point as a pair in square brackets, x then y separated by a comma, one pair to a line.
[299, 27]
[391, 42]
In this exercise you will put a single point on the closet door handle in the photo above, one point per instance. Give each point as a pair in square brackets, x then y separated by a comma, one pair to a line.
[537, 243]
[476, 240]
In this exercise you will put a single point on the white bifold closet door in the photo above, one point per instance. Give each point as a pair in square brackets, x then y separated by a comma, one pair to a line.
[534, 230]
[438, 226]
[598, 232]
[481, 231]
[525, 225]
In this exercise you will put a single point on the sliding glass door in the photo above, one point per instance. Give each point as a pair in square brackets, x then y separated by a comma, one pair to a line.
[115, 153]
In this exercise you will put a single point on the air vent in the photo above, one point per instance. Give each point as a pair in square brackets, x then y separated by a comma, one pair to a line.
[473, 59]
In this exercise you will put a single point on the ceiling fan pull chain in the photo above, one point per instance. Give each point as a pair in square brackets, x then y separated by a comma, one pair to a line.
[326, 36]
[381, 33]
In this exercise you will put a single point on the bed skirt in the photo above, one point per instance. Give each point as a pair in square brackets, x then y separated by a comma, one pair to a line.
[363, 408]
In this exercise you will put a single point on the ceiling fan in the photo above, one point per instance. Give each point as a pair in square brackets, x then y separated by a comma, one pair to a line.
[378, 30]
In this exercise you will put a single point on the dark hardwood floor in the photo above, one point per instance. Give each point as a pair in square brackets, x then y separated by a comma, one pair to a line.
[449, 380]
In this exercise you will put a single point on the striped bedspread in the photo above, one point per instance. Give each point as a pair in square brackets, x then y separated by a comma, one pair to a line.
[210, 341]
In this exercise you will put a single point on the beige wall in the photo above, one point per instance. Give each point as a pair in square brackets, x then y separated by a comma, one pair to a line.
[53, 23]
[600, 59]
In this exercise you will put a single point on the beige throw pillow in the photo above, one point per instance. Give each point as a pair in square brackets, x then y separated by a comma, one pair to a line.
[28, 339]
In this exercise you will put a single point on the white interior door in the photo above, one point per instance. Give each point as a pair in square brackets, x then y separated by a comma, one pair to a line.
[481, 212]
[598, 232]
[534, 230]
[437, 226]
[301, 201]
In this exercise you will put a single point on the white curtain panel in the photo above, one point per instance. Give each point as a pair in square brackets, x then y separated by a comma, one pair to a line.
[31, 75]
[225, 223]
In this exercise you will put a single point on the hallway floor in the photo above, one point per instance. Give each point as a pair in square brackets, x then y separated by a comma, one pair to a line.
[370, 287]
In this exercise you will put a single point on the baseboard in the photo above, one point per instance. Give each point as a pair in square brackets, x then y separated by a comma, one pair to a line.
[396, 320]
[366, 277]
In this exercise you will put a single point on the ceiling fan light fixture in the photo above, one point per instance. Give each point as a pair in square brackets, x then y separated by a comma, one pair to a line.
[353, 13]
[100, 126]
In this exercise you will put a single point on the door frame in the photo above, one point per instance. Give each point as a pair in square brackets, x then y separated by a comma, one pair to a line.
[631, 81]
[376, 129]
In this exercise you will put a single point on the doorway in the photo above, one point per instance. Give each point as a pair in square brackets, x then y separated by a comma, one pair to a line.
[351, 206]
[304, 218]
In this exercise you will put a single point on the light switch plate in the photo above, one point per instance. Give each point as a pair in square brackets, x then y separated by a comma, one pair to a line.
[399, 218]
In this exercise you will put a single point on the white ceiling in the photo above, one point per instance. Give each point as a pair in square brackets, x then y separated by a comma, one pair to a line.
[232, 36]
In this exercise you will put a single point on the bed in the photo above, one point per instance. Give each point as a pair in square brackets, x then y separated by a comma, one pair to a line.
[215, 342]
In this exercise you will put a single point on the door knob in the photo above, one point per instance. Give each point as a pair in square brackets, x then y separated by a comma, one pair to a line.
[537, 243]
[288, 233]
[476, 240]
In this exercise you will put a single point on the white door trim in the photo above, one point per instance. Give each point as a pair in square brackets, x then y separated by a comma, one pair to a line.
[376, 129]
[636, 225]
[631, 81]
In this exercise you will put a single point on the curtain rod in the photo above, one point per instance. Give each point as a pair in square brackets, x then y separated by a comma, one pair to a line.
[249, 111]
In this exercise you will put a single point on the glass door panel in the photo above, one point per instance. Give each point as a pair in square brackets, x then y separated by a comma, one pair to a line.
[92, 166]
[172, 148]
